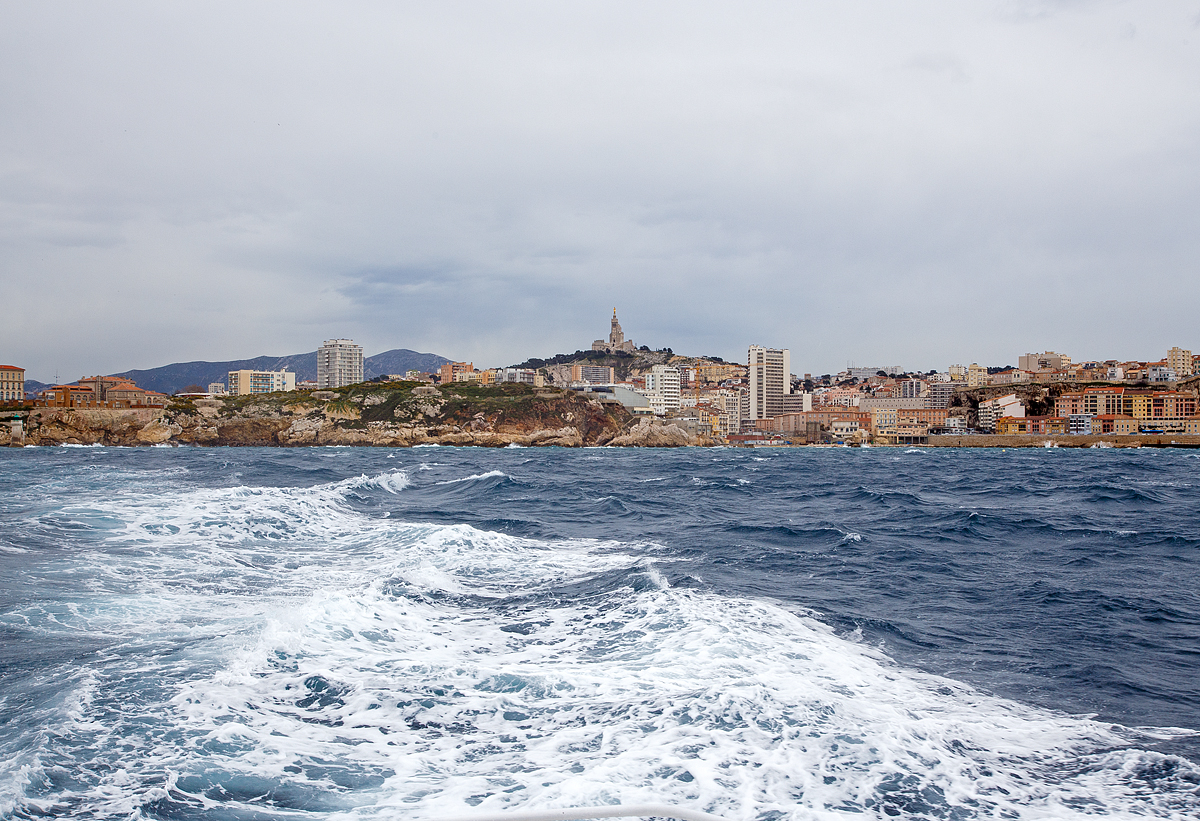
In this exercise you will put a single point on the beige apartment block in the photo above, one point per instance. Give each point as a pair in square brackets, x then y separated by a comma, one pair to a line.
[1048, 361]
[977, 375]
[1181, 362]
[246, 382]
[12, 383]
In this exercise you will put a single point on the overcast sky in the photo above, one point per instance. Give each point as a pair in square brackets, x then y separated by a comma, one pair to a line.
[913, 183]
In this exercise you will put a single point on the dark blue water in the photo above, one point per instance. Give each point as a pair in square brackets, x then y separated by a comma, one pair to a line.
[243, 633]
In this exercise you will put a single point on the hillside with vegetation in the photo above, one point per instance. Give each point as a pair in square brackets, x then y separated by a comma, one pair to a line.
[393, 414]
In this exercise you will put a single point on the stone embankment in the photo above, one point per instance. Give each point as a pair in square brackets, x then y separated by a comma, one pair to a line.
[391, 415]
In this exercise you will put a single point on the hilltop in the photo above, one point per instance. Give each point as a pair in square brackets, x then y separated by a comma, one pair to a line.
[624, 364]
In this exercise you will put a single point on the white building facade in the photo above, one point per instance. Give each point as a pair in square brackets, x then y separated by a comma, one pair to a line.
[662, 389]
[339, 363]
[996, 409]
[770, 380]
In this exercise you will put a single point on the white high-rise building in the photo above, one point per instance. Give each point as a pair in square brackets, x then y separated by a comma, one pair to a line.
[662, 389]
[770, 381]
[339, 362]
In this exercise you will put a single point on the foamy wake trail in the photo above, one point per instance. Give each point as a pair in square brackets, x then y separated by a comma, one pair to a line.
[733, 706]
[330, 661]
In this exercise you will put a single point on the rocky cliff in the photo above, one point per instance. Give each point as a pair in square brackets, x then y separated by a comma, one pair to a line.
[391, 415]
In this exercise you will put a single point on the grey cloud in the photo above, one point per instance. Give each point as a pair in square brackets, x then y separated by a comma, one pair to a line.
[866, 181]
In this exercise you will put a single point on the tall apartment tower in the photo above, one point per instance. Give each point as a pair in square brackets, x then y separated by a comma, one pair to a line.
[770, 381]
[339, 362]
[662, 389]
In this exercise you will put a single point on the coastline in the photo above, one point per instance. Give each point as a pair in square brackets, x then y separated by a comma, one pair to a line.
[589, 426]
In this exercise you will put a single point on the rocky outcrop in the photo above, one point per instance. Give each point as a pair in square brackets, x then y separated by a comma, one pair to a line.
[366, 416]
[648, 434]
[51, 426]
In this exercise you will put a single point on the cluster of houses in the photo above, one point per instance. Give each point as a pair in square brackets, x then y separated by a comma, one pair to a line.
[757, 403]
[90, 392]
[1105, 410]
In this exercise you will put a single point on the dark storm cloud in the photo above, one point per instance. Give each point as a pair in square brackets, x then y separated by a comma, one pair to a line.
[917, 183]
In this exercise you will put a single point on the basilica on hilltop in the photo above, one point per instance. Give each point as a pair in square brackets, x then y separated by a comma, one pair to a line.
[616, 339]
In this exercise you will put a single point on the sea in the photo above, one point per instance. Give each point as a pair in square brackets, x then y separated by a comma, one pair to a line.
[435, 632]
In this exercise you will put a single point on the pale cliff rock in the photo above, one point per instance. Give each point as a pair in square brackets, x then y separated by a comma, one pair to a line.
[53, 426]
[647, 434]
[157, 431]
[509, 415]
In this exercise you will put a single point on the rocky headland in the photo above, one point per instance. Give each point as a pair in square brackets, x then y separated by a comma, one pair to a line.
[398, 414]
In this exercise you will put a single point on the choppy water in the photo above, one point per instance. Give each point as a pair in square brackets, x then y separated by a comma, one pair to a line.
[346, 633]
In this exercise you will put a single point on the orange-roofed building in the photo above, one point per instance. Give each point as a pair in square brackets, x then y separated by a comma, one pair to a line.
[12, 383]
[68, 396]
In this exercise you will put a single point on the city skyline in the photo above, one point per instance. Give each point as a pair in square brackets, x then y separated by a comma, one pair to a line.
[796, 368]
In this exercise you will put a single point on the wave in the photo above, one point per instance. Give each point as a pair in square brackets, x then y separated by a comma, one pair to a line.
[261, 651]
[434, 706]
[491, 474]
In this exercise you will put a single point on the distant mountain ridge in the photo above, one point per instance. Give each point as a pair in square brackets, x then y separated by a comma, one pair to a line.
[177, 376]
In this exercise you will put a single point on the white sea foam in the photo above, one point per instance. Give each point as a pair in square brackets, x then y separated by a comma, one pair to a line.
[491, 474]
[729, 705]
[436, 668]
[393, 482]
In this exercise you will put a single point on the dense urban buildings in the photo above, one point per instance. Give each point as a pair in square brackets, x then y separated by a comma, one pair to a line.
[762, 401]
[339, 363]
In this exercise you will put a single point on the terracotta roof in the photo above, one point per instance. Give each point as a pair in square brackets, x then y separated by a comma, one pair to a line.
[10, 368]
